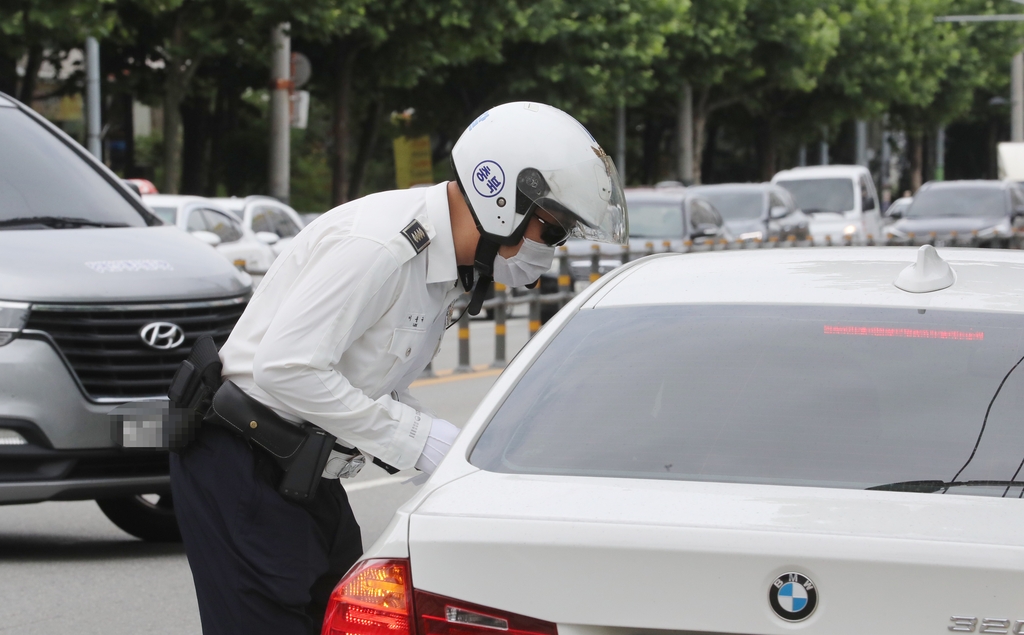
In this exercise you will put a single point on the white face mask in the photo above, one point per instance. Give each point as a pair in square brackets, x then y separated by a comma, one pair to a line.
[526, 266]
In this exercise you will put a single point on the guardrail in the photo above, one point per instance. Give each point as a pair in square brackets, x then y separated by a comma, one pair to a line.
[503, 300]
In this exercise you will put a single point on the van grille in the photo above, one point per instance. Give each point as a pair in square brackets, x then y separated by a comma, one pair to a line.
[105, 350]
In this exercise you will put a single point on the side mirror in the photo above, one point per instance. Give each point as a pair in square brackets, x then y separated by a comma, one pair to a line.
[267, 238]
[894, 214]
[705, 230]
[779, 211]
[1018, 220]
[209, 238]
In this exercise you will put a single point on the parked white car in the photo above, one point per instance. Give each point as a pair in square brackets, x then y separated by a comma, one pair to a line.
[212, 223]
[266, 214]
[840, 199]
[754, 441]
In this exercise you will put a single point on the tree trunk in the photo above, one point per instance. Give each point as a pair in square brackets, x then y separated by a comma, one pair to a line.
[915, 143]
[28, 82]
[172, 125]
[768, 150]
[219, 125]
[367, 141]
[343, 59]
[700, 124]
[651, 160]
[195, 117]
[8, 74]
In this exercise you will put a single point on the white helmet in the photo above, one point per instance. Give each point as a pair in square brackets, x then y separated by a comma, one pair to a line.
[522, 155]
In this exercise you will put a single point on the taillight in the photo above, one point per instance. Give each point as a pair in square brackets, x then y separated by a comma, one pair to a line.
[374, 598]
[437, 615]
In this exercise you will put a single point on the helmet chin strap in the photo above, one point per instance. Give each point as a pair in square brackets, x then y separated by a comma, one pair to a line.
[483, 266]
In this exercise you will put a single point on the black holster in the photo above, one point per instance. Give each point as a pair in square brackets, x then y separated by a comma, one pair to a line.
[300, 450]
[198, 396]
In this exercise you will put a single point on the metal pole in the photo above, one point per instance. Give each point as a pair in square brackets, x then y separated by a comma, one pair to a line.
[92, 97]
[564, 275]
[534, 311]
[940, 154]
[1017, 97]
[620, 140]
[595, 262]
[280, 120]
[464, 364]
[499, 325]
[823, 146]
[686, 134]
[801, 159]
[862, 142]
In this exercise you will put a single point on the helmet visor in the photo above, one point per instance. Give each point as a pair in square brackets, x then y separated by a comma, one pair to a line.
[585, 198]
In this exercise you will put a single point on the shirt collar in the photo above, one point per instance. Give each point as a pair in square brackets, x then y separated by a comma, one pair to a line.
[441, 265]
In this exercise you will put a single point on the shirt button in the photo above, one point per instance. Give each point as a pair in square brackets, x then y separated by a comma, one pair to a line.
[408, 351]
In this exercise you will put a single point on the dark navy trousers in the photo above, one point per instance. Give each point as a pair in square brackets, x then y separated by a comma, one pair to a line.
[261, 564]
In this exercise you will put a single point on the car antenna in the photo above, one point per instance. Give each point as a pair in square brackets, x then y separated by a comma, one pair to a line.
[984, 423]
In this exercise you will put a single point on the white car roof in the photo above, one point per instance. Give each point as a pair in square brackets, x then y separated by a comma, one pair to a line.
[986, 279]
[821, 172]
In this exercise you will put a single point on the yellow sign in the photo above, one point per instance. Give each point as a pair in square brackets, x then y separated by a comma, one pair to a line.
[412, 161]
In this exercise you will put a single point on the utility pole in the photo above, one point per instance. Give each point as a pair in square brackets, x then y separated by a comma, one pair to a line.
[686, 134]
[92, 98]
[620, 140]
[862, 142]
[1017, 97]
[280, 119]
[823, 146]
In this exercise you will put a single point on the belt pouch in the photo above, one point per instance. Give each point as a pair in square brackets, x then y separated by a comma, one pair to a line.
[301, 451]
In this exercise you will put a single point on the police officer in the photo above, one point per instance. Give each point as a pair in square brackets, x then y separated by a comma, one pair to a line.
[348, 316]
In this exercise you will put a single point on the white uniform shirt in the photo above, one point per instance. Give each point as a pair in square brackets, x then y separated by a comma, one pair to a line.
[347, 317]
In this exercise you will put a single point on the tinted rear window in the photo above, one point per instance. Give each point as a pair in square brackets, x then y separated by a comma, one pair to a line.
[829, 397]
[952, 202]
[41, 176]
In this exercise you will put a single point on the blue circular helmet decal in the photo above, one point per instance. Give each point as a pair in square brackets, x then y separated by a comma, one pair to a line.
[793, 597]
[488, 179]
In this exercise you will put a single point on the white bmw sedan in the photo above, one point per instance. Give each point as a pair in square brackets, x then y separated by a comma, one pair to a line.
[759, 442]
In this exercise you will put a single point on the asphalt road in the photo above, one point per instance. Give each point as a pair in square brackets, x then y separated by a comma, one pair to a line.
[64, 568]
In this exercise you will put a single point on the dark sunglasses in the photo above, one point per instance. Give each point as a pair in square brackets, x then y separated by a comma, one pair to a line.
[552, 234]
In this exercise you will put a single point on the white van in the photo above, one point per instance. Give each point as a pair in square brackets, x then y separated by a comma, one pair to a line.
[840, 199]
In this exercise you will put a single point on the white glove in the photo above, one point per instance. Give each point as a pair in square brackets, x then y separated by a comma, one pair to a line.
[439, 441]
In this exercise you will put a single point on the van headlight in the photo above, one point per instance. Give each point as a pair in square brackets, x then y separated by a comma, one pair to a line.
[849, 230]
[1002, 230]
[13, 316]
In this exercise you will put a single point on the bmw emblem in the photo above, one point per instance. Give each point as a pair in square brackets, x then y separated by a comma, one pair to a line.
[793, 597]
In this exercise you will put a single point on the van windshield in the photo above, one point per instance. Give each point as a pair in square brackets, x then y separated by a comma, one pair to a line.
[655, 219]
[45, 184]
[954, 202]
[815, 196]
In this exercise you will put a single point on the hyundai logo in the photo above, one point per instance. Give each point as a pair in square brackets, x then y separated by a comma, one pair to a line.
[162, 336]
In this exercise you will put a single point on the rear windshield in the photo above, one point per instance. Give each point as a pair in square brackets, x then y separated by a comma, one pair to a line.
[649, 219]
[821, 195]
[735, 205]
[42, 177]
[951, 202]
[826, 397]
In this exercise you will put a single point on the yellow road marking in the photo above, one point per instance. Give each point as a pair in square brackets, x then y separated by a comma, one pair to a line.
[449, 376]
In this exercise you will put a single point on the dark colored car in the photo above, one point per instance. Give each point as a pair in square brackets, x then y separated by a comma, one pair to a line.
[956, 210]
[756, 211]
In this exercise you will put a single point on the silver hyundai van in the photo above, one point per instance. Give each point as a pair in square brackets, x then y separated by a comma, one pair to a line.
[99, 303]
